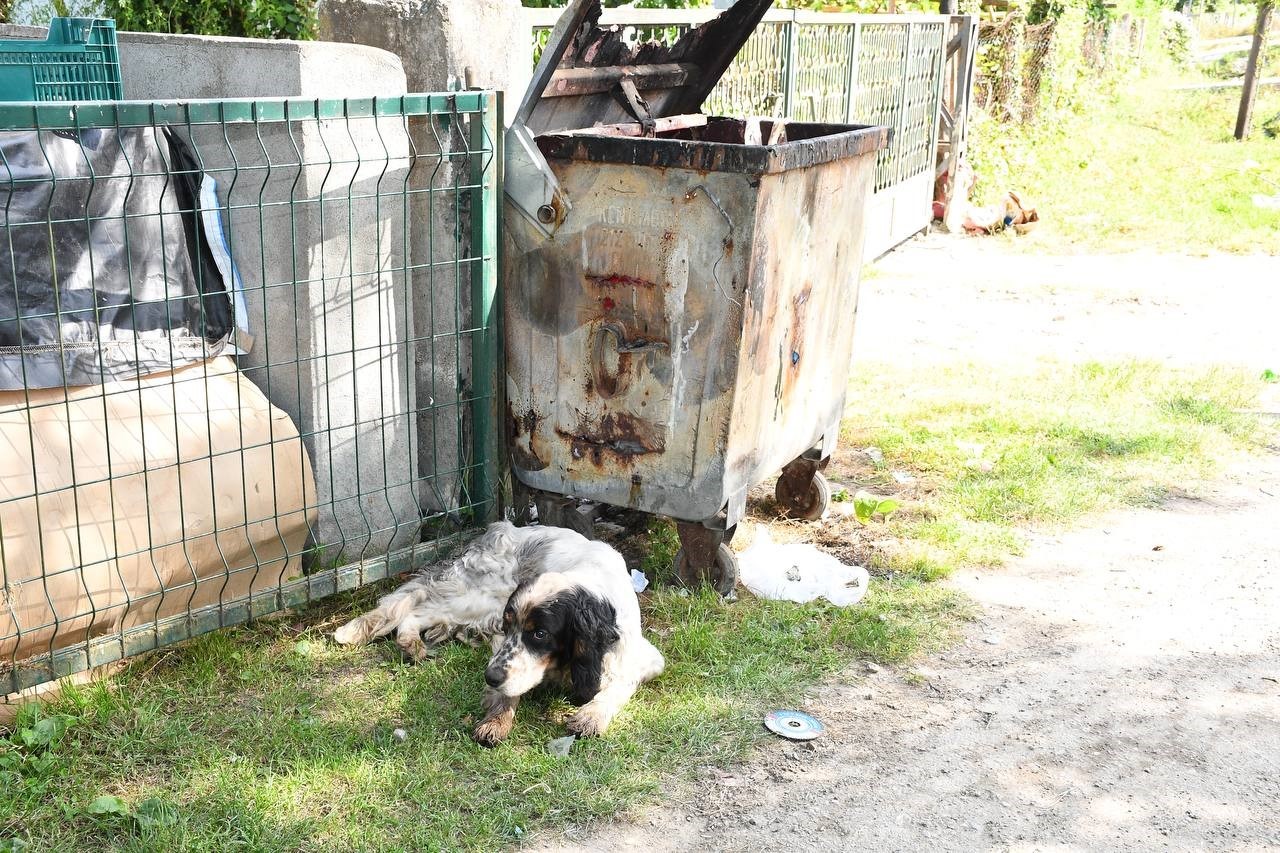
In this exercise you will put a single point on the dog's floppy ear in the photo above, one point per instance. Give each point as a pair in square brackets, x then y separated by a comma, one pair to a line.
[594, 625]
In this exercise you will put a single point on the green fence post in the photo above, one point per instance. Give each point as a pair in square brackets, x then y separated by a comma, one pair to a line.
[486, 356]
[789, 70]
[855, 51]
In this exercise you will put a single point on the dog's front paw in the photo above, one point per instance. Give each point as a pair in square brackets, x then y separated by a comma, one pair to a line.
[492, 731]
[586, 723]
[417, 650]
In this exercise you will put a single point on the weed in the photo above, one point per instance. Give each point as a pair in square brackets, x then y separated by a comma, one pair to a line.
[867, 506]
[660, 548]
[1056, 444]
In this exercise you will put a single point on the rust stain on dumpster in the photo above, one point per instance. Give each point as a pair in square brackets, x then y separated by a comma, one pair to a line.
[615, 440]
[619, 280]
[521, 432]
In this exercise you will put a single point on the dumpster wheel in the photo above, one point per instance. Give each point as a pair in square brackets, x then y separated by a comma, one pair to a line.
[807, 500]
[723, 576]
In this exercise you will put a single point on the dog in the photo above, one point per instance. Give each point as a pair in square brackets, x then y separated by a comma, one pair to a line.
[551, 602]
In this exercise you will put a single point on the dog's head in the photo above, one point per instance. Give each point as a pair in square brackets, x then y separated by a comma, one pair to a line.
[551, 624]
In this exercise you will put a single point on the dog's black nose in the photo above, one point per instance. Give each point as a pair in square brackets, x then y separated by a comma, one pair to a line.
[493, 676]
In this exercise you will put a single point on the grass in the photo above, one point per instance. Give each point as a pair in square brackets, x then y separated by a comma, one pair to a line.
[1175, 179]
[997, 451]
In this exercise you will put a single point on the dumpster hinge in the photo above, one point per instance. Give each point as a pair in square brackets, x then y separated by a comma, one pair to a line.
[637, 106]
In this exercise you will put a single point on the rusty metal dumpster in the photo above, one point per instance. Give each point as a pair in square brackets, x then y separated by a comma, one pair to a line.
[680, 290]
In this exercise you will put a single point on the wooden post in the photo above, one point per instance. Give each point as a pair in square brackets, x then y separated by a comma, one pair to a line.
[1245, 116]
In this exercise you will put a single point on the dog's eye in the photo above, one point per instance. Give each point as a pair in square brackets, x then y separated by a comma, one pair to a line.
[540, 634]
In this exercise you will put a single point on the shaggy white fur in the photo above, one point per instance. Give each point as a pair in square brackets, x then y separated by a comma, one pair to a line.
[463, 600]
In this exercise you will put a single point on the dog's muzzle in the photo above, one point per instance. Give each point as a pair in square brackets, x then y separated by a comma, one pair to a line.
[494, 675]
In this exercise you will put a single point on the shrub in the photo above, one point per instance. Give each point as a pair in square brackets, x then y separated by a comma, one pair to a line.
[1175, 36]
[270, 19]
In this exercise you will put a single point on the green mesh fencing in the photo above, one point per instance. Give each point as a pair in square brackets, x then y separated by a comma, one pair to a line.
[325, 417]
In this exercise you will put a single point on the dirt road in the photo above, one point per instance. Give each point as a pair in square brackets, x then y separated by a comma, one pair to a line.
[1121, 690]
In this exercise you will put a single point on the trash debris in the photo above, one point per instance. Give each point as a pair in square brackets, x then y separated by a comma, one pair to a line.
[799, 573]
[992, 640]
[903, 477]
[1010, 212]
[874, 454]
[607, 530]
[872, 667]
[399, 735]
[793, 725]
[638, 581]
[560, 746]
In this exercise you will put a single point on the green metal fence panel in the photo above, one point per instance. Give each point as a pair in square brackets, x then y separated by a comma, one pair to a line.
[822, 71]
[344, 433]
[756, 82]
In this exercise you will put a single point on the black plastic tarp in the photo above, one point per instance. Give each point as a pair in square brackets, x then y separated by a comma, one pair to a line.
[105, 270]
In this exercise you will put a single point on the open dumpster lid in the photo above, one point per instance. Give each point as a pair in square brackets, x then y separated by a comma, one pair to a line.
[589, 74]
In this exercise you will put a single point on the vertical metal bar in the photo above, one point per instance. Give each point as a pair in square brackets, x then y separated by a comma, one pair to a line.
[935, 128]
[789, 70]
[962, 97]
[855, 52]
[486, 362]
[899, 137]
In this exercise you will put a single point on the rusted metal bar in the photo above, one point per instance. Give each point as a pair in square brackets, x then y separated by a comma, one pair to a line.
[568, 82]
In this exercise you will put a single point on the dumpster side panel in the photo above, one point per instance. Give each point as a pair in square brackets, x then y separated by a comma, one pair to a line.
[623, 337]
[800, 308]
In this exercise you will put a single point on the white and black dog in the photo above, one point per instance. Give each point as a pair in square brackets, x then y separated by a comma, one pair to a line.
[552, 602]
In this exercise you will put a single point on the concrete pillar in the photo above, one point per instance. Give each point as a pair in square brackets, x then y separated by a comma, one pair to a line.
[332, 350]
[443, 45]
[439, 40]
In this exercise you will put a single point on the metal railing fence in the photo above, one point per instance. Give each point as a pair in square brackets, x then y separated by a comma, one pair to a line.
[340, 431]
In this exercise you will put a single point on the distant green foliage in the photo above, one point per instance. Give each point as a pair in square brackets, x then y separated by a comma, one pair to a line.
[1176, 36]
[268, 19]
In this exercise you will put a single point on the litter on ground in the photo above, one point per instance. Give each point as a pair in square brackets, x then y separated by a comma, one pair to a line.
[800, 573]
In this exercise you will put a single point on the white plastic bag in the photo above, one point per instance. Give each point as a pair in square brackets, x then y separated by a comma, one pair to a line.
[799, 573]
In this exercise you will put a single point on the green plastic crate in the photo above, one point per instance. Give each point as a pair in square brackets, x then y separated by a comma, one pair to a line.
[77, 62]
